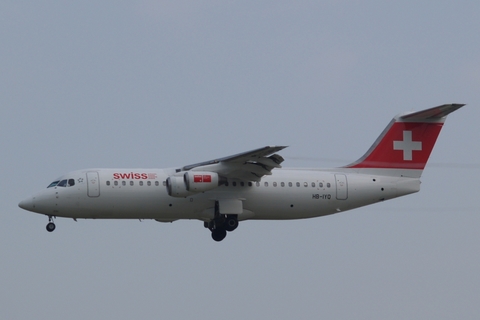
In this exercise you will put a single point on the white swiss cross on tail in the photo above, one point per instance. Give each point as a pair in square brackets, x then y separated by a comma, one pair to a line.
[412, 133]
[407, 145]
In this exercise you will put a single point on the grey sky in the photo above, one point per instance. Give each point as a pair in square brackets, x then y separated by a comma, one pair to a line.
[168, 83]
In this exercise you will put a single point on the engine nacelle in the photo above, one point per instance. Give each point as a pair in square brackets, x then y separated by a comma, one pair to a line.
[176, 187]
[191, 182]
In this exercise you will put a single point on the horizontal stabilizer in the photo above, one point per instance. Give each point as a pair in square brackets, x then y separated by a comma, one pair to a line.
[432, 113]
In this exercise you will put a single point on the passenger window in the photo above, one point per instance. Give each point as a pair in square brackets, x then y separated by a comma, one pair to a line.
[274, 184]
[313, 184]
[282, 184]
[249, 184]
[266, 184]
[298, 184]
[71, 182]
[164, 183]
[290, 184]
[131, 183]
[108, 183]
[53, 184]
[257, 184]
[157, 183]
[115, 183]
[320, 184]
[226, 184]
[62, 183]
[328, 185]
[242, 184]
[141, 183]
[305, 184]
[234, 184]
[149, 183]
[124, 183]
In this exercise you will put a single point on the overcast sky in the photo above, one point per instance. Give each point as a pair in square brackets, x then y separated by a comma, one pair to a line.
[157, 84]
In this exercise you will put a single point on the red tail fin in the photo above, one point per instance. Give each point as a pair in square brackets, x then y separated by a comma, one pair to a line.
[406, 143]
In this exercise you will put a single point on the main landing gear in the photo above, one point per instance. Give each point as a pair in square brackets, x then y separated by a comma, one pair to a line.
[221, 224]
[50, 225]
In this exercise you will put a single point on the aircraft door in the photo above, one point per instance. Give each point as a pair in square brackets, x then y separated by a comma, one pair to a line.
[93, 184]
[342, 187]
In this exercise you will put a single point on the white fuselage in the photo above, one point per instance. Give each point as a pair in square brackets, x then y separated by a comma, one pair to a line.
[250, 185]
[286, 194]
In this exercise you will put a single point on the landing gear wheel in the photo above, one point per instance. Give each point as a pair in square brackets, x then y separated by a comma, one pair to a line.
[231, 223]
[219, 234]
[50, 226]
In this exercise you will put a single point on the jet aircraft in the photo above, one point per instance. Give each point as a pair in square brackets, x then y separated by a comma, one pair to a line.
[250, 185]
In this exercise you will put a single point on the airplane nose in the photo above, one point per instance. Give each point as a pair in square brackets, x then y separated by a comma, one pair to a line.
[27, 204]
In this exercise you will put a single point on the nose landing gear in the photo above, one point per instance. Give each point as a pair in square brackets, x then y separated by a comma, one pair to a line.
[50, 225]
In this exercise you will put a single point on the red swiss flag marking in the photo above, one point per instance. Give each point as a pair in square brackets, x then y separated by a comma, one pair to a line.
[202, 178]
[406, 145]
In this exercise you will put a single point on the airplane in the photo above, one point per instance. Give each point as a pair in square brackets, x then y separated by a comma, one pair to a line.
[251, 185]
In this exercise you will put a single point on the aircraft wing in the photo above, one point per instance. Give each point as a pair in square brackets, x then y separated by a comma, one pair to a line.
[247, 166]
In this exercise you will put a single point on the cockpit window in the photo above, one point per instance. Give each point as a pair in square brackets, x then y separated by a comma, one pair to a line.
[53, 184]
[62, 183]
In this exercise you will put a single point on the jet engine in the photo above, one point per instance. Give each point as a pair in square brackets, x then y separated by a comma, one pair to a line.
[187, 183]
